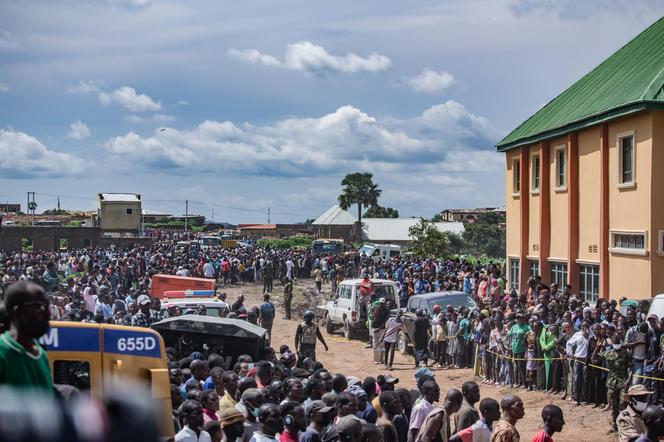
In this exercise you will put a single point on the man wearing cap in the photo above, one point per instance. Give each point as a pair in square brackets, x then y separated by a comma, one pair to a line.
[430, 393]
[320, 417]
[386, 383]
[629, 422]
[379, 317]
[232, 424]
[145, 316]
[618, 360]
[349, 429]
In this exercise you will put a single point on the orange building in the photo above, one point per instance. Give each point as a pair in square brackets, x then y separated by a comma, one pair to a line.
[584, 182]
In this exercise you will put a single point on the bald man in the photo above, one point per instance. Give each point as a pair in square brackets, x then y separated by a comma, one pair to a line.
[505, 429]
[437, 423]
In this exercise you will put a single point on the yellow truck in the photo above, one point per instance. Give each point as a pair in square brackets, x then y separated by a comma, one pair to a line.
[95, 357]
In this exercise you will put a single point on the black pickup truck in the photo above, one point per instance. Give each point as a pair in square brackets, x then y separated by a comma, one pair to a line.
[425, 302]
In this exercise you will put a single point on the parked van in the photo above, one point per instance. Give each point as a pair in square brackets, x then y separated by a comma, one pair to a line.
[657, 306]
[380, 251]
[348, 310]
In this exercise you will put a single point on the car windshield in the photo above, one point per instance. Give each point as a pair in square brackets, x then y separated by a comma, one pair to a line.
[367, 250]
[455, 300]
[384, 291]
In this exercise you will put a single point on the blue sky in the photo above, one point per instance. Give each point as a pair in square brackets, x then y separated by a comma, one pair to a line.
[240, 106]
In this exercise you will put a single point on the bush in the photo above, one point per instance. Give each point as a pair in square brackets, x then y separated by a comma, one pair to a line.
[285, 243]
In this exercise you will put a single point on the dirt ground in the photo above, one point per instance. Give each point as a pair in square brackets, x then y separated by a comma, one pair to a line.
[583, 423]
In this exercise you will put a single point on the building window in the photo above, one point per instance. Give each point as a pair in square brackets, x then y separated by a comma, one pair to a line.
[589, 282]
[633, 243]
[561, 167]
[514, 274]
[516, 176]
[559, 273]
[533, 265]
[535, 169]
[130, 211]
[627, 158]
[660, 243]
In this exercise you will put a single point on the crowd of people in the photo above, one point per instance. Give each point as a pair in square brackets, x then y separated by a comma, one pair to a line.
[592, 352]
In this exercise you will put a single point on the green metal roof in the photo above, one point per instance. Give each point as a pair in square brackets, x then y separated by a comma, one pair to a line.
[631, 80]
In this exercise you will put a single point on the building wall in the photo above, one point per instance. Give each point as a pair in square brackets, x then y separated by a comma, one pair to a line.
[558, 201]
[630, 209]
[534, 209]
[114, 215]
[589, 195]
[657, 208]
[512, 206]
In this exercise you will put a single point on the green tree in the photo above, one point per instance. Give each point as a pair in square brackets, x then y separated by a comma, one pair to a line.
[427, 240]
[358, 188]
[438, 217]
[486, 236]
[381, 212]
[457, 245]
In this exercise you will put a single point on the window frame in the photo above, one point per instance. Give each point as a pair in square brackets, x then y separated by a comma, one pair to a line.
[627, 250]
[516, 176]
[514, 279]
[535, 172]
[129, 211]
[586, 271]
[532, 264]
[560, 187]
[557, 273]
[622, 184]
[660, 243]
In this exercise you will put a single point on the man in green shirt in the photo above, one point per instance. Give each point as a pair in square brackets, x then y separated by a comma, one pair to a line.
[23, 362]
[518, 336]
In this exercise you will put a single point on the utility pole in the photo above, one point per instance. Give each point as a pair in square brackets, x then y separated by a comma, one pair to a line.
[268, 215]
[58, 204]
[186, 214]
[32, 205]
[213, 214]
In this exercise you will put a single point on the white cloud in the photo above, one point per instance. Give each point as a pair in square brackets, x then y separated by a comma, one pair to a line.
[4, 87]
[430, 81]
[24, 156]
[156, 118]
[125, 96]
[85, 87]
[78, 130]
[128, 98]
[308, 57]
[339, 141]
[583, 10]
[183, 102]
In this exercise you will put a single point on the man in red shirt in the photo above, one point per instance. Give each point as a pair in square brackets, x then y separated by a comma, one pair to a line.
[553, 419]
[366, 286]
[294, 421]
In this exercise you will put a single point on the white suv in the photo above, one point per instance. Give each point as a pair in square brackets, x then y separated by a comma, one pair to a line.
[347, 309]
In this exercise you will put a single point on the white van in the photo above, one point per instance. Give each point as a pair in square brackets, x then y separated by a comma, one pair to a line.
[378, 251]
[347, 309]
[657, 306]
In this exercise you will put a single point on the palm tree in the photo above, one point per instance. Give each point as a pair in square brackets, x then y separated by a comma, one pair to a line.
[358, 188]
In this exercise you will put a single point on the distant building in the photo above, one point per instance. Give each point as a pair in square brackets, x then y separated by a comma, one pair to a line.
[337, 223]
[154, 217]
[119, 212]
[467, 215]
[10, 208]
[583, 182]
[259, 231]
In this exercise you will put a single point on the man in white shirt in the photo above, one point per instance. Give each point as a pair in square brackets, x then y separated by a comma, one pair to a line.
[208, 269]
[430, 393]
[192, 412]
[577, 349]
[289, 268]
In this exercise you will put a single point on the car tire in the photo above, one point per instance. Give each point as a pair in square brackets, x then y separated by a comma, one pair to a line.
[329, 326]
[348, 332]
[403, 345]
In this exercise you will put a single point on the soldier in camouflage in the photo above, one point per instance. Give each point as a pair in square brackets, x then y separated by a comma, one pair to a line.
[618, 361]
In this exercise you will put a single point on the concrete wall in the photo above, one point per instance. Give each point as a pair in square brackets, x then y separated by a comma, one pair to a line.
[48, 238]
[534, 207]
[657, 208]
[589, 195]
[114, 215]
[512, 206]
[558, 201]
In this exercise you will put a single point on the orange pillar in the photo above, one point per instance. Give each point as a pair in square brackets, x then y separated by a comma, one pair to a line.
[573, 210]
[545, 212]
[524, 195]
[604, 215]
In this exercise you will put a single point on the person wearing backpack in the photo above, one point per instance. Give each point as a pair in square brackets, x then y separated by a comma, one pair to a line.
[266, 317]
